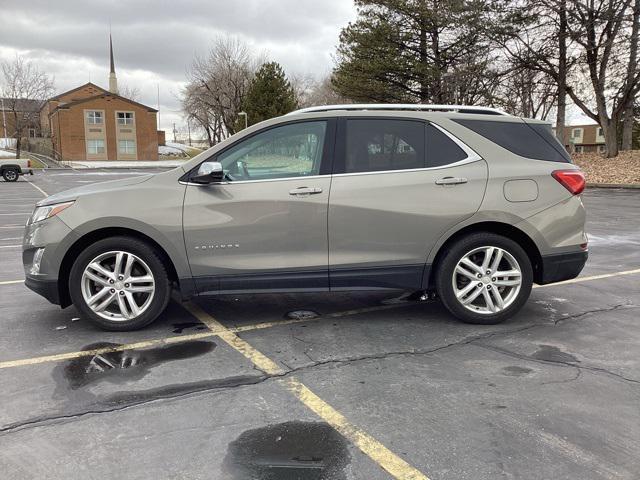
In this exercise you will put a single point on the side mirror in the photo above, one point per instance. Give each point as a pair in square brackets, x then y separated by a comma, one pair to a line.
[208, 172]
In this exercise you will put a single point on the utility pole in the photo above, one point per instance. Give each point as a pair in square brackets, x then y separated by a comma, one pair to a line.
[244, 114]
[158, 85]
[174, 133]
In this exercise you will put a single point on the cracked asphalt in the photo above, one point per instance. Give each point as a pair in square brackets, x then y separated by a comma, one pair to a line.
[553, 393]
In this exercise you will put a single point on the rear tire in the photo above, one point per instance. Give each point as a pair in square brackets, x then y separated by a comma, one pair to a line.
[484, 291]
[119, 284]
[10, 175]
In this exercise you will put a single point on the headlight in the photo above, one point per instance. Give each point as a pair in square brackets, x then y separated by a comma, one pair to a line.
[48, 211]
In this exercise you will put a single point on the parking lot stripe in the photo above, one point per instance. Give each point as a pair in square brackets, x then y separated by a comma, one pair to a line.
[371, 447]
[99, 351]
[37, 188]
[588, 279]
[11, 282]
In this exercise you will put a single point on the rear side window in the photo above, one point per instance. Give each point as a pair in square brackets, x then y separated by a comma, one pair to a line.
[532, 141]
[441, 150]
[380, 144]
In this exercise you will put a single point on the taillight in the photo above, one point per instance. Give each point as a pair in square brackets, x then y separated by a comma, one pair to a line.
[572, 180]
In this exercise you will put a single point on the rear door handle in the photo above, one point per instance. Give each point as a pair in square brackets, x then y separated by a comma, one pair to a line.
[305, 191]
[451, 181]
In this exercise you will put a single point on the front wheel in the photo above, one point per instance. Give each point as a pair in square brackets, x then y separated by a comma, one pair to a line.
[10, 175]
[119, 283]
[484, 278]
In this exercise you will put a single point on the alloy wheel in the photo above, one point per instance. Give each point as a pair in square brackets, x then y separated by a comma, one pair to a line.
[487, 280]
[118, 286]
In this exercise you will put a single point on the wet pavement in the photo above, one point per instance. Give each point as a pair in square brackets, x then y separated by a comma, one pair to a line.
[552, 393]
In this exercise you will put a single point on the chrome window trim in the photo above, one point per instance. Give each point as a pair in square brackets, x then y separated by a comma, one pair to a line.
[424, 169]
[306, 177]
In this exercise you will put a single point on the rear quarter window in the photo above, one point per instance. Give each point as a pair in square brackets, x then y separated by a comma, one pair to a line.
[535, 141]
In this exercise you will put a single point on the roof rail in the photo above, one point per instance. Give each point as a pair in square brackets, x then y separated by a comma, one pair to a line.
[404, 106]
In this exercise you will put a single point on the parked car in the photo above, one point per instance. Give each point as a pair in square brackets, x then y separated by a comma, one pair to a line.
[468, 202]
[12, 168]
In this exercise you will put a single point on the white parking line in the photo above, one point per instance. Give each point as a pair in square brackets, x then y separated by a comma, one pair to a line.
[38, 188]
[10, 246]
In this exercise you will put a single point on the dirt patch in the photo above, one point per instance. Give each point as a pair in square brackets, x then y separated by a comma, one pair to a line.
[625, 168]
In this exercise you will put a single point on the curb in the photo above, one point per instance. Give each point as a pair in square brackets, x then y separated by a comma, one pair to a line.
[631, 186]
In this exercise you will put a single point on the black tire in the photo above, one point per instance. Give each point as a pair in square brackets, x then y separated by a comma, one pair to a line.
[456, 252]
[146, 253]
[10, 175]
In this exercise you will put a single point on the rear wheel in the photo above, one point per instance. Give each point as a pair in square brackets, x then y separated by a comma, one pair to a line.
[119, 283]
[10, 175]
[484, 278]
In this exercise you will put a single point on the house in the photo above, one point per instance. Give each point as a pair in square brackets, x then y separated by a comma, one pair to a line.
[584, 138]
[91, 123]
[27, 112]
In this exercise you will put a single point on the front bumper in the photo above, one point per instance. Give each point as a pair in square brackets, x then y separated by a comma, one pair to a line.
[47, 288]
[562, 266]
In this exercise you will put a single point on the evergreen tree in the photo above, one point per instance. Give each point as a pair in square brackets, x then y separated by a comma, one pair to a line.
[270, 94]
[429, 51]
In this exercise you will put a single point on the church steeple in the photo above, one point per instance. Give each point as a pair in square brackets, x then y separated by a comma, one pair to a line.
[113, 81]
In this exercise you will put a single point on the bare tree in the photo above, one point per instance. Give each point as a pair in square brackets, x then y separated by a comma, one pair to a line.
[527, 93]
[129, 92]
[218, 83]
[311, 92]
[632, 68]
[24, 89]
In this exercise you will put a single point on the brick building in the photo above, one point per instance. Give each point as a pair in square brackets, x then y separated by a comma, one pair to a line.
[584, 138]
[91, 123]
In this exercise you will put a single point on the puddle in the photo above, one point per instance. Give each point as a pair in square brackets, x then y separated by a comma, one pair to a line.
[516, 371]
[550, 353]
[288, 451]
[182, 326]
[127, 364]
[302, 315]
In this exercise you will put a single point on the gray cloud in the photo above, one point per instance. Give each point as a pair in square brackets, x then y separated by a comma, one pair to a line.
[155, 41]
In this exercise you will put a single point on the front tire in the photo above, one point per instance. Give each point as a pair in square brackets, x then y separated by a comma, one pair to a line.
[119, 284]
[10, 175]
[484, 278]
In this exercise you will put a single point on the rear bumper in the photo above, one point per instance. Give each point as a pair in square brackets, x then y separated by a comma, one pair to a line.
[563, 266]
[47, 288]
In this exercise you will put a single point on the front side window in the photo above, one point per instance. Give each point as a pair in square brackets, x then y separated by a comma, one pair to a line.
[94, 117]
[381, 145]
[95, 147]
[293, 150]
[125, 118]
[127, 147]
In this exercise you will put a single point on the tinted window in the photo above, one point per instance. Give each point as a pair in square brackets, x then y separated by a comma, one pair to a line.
[292, 150]
[376, 145]
[531, 141]
[441, 150]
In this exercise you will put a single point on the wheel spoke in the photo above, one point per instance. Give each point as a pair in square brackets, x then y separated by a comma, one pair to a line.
[506, 283]
[468, 263]
[96, 267]
[117, 268]
[105, 303]
[141, 279]
[93, 299]
[488, 254]
[135, 309]
[496, 261]
[499, 302]
[466, 289]
[92, 276]
[488, 300]
[124, 309]
[128, 266]
[140, 289]
[507, 273]
[463, 271]
[473, 296]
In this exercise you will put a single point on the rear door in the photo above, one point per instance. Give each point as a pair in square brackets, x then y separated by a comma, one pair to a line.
[398, 185]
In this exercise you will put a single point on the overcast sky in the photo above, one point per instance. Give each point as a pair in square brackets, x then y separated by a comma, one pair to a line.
[155, 41]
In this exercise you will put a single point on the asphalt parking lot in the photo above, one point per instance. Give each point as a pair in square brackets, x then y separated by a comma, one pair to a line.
[375, 386]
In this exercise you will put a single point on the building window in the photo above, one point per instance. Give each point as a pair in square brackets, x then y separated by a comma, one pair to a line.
[128, 147]
[600, 133]
[94, 118]
[95, 147]
[579, 148]
[577, 133]
[125, 118]
[32, 132]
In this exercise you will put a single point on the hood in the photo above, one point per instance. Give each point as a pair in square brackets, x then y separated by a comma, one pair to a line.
[100, 187]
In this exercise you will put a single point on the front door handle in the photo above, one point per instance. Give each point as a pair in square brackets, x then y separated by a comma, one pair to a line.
[305, 191]
[451, 181]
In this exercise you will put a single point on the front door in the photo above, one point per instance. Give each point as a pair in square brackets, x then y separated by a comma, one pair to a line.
[264, 228]
[399, 184]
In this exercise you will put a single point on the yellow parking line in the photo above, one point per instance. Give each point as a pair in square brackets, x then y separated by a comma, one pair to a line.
[37, 188]
[100, 351]
[588, 279]
[371, 447]
[11, 282]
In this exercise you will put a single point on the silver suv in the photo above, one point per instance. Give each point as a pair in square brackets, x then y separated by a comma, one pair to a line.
[466, 202]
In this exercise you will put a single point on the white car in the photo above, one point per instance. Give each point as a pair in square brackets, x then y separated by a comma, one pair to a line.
[12, 168]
